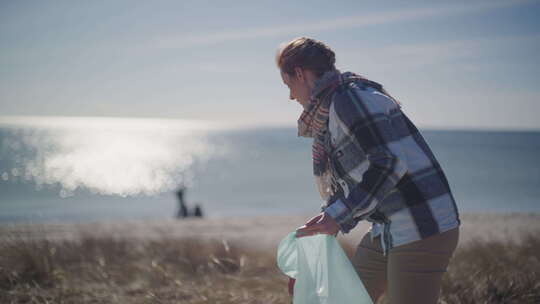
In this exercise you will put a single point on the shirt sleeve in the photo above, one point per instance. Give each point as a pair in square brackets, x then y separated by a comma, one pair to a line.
[363, 118]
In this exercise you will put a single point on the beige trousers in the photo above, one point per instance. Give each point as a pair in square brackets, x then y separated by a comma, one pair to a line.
[410, 273]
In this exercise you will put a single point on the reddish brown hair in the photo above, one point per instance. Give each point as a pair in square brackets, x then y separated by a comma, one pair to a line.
[305, 53]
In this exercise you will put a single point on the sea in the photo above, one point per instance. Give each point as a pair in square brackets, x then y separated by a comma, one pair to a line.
[73, 169]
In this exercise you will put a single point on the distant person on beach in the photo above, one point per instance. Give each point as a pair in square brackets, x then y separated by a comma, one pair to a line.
[371, 163]
[198, 211]
[183, 209]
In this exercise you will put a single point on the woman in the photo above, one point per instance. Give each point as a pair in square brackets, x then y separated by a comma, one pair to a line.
[371, 163]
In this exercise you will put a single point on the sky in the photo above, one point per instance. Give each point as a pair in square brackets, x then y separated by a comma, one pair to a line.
[452, 64]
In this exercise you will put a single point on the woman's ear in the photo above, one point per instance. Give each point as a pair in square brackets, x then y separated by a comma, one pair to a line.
[299, 73]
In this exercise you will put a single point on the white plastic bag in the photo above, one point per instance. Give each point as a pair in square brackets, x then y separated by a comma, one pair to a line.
[323, 273]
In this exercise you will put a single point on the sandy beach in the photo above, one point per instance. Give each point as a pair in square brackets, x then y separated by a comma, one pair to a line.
[261, 232]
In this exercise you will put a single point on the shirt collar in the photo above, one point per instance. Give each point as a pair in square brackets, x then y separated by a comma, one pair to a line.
[326, 80]
[330, 80]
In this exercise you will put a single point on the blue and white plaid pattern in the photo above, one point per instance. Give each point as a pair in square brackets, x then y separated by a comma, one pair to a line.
[385, 170]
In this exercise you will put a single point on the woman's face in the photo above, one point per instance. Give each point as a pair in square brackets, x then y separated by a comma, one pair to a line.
[299, 85]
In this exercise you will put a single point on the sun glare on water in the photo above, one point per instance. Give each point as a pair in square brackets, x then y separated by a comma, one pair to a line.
[113, 156]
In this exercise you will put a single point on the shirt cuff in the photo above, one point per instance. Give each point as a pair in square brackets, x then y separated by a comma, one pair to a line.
[340, 213]
[337, 210]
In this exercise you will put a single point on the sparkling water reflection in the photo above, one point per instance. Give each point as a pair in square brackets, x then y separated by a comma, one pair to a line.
[111, 156]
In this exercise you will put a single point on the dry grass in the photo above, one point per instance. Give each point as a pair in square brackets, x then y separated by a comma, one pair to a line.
[495, 272]
[109, 270]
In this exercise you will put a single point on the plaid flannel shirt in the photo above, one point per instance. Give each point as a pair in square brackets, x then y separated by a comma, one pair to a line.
[385, 170]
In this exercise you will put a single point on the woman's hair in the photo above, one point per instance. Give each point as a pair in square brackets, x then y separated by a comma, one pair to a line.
[312, 55]
[305, 53]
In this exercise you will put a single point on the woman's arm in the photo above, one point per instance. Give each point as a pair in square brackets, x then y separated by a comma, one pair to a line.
[364, 120]
[369, 156]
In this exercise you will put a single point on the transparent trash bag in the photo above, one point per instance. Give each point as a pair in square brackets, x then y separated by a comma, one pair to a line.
[323, 273]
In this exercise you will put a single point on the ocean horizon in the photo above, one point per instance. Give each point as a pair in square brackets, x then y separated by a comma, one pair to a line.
[88, 169]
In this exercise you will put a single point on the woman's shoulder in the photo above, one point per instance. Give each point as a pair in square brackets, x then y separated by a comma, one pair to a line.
[357, 101]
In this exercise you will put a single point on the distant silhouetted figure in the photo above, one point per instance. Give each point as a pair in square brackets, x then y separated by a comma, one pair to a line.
[183, 209]
[198, 211]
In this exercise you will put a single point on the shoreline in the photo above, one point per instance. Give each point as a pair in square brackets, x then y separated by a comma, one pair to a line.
[260, 231]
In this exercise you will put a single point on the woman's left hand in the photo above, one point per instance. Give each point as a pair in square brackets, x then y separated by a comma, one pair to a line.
[320, 224]
[291, 286]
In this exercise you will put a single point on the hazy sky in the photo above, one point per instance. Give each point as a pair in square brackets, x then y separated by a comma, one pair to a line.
[453, 64]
